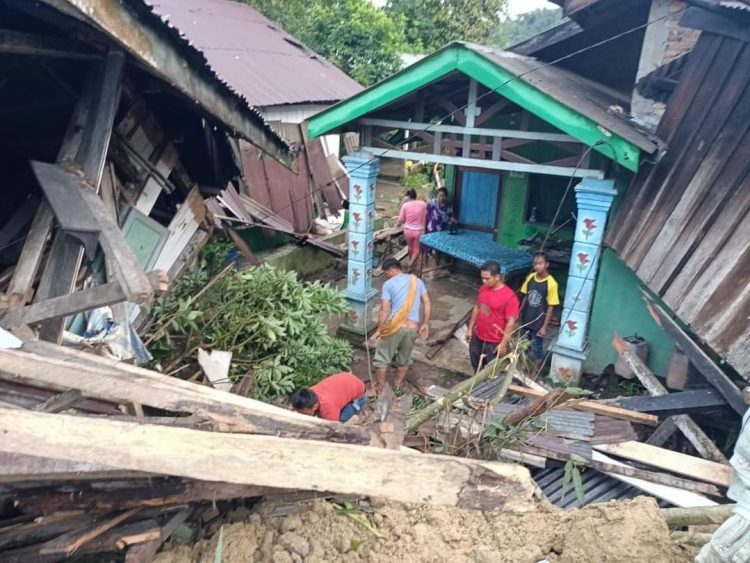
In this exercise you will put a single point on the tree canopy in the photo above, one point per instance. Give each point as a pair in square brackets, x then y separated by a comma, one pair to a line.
[359, 38]
[430, 24]
[366, 42]
[525, 26]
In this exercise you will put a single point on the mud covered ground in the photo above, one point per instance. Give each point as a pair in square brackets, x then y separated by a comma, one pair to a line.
[630, 531]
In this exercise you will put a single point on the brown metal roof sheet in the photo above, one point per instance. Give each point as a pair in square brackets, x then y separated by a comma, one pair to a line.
[256, 58]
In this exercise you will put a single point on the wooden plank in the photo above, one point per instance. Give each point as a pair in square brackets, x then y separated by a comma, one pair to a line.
[271, 461]
[659, 478]
[181, 228]
[86, 144]
[468, 131]
[489, 164]
[663, 432]
[591, 406]
[85, 300]
[61, 402]
[713, 374]
[17, 468]
[149, 491]
[673, 495]
[27, 267]
[70, 543]
[651, 181]
[700, 441]
[119, 382]
[43, 529]
[697, 400]
[145, 552]
[14, 224]
[683, 464]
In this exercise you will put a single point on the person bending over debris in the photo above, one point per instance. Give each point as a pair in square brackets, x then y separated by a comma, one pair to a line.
[337, 397]
[731, 542]
[403, 297]
[493, 318]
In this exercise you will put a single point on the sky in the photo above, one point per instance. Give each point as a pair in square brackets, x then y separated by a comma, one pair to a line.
[517, 7]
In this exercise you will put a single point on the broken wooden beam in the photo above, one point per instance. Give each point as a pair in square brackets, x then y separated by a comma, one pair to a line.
[132, 493]
[702, 443]
[70, 543]
[270, 461]
[439, 342]
[80, 301]
[713, 373]
[682, 464]
[61, 402]
[495, 368]
[96, 376]
[20, 288]
[673, 495]
[657, 477]
[591, 406]
[682, 402]
[144, 552]
[18, 468]
[84, 147]
[700, 516]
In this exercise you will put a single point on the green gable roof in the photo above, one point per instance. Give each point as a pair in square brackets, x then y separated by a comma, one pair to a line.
[564, 100]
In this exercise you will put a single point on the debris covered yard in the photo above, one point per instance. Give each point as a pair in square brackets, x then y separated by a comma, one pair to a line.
[192, 243]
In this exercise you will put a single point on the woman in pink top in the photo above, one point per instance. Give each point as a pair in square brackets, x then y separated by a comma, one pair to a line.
[413, 216]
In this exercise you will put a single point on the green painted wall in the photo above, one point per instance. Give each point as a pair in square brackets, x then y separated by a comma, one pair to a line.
[259, 242]
[512, 226]
[618, 307]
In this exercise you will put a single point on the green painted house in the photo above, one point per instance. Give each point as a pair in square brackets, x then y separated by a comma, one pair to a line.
[517, 136]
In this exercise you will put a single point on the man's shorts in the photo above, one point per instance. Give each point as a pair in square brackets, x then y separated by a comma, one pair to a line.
[395, 349]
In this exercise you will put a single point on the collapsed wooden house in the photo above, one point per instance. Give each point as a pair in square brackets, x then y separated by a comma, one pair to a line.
[114, 129]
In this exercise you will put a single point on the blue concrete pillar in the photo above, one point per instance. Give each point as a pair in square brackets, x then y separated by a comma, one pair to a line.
[363, 169]
[594, 198]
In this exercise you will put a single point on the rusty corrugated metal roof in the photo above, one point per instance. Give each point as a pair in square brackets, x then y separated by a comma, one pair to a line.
[256, 58]
[196, 63]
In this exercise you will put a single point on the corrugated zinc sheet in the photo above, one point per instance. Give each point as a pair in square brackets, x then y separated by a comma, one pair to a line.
[198, 63]
[255, 57]
[597, 488]
[579, 94]
[684, 224]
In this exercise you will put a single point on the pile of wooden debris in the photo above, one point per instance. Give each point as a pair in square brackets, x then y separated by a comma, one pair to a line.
[100, 456]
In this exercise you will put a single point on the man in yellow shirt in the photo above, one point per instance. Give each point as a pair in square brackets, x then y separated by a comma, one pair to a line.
[540, 298]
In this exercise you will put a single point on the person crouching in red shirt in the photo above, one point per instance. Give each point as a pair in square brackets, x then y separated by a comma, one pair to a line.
[337, 397]
[493, 319]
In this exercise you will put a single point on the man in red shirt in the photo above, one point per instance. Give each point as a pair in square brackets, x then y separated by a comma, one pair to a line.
[337, 397]
[494, 317]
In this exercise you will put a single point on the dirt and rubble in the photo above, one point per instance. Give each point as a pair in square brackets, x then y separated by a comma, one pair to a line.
[314, 532]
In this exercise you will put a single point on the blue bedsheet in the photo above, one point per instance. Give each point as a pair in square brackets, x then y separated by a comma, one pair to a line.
[477, 248]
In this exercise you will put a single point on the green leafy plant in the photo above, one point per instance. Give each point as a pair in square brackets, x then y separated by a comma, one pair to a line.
[498, 435]
[572, 475]
[272, 322]
[349, 511]
[631, 387]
